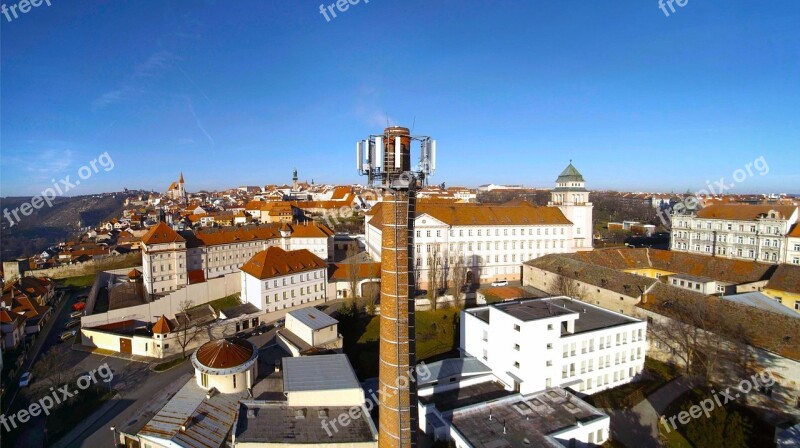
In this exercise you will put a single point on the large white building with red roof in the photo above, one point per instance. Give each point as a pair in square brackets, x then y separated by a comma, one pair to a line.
[275, 279]
[171, 260]
[495, 239]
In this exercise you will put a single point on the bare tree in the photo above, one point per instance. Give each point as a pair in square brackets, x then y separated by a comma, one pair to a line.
[372, 290]
[186, 332]
[458, 277]
[569, 287]
[54, 368]
[434, 274]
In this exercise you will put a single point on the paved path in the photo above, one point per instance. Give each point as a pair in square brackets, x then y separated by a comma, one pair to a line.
[638, 427]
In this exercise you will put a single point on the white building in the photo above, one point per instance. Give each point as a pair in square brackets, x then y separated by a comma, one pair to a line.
[739, 231]
[540, 343]
[495, 239]
[793, 245]
[172, 260]
[462, 402]
[309, 331]
[275, 279]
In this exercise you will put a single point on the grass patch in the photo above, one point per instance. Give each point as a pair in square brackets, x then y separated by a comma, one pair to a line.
[66, 417]
[83, 281]
[673, 439]
[164, 366]
[225, 302]
[436, 333]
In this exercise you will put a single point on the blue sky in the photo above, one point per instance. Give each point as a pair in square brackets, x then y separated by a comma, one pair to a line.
[240, 92]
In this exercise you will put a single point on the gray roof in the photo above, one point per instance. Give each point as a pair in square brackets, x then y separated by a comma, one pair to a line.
[325, 372]
[313, 318]
[207, 421]
[240, 310]
[762, 301]
[523, 421]
[453, 367]
[592, 317]
[528, 310]
[274, 422]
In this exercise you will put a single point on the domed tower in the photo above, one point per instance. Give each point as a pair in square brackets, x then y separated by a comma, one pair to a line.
[228, 365]
[572, 198]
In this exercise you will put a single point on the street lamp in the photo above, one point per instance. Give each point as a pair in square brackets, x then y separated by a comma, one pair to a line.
[114, 435]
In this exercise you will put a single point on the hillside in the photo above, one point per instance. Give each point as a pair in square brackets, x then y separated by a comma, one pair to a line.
[50, 225]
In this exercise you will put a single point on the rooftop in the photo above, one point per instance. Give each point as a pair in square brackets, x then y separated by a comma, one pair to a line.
[762, 301]
[225, 353]
[523, 421]
[303, 374]
[279, 423]
[313, 318]
[190, 419]
[452, 367]
[275, 262]
[466, 396]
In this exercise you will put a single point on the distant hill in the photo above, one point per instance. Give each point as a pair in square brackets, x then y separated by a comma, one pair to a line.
[51, 225]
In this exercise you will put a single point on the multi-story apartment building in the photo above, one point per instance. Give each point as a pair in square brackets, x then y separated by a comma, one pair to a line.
[275, 279]
[540, 343]
[793, 245]
[494, 240]
[173, 259]
[739, 231]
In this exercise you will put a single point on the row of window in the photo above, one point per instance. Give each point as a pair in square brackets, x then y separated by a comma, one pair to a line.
[480, 232]
[752, 228]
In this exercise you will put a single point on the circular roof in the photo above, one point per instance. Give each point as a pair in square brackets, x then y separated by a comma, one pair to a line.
[225, 353]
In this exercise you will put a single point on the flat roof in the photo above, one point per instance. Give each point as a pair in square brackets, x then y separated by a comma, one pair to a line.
[521, 421]
[448, 368]
[592, 317]
[275, 422]
[313, 373]
[466, 396]
[313, 318]
[532, 309]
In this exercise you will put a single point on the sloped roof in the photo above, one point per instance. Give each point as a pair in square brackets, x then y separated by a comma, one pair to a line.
[744, 212]
[467, 214]
[275, 262]
[341, 271]
[570, 174]
[163, 325]
[786, 278]
[620, 282]
[225, 353]
[160, 234]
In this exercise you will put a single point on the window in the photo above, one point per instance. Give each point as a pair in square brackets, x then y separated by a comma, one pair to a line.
[516, 347]
[550, 346]
[234, 380]
[549, 326]
[204, 379]
[516, 327]
[516, 364]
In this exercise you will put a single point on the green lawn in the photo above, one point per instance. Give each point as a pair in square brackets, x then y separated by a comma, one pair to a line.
[437, 335]
[225, 302]
[164, 366]
[83, 281]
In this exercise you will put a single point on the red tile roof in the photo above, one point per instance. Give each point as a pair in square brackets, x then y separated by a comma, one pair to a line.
[744, 212]
[517, 214]
[161, 234]
[225, 353]
[275, 262]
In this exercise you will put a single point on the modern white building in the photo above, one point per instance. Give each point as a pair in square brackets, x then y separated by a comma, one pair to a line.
[275, 279]
[555, 342]
[739, 231]
[495, 239]
[172, 260]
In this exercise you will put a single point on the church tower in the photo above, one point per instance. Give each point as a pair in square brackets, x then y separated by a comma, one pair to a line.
[294, 180]
[572, 198]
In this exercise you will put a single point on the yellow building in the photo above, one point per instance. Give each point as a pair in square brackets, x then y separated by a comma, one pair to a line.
[784, 286]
